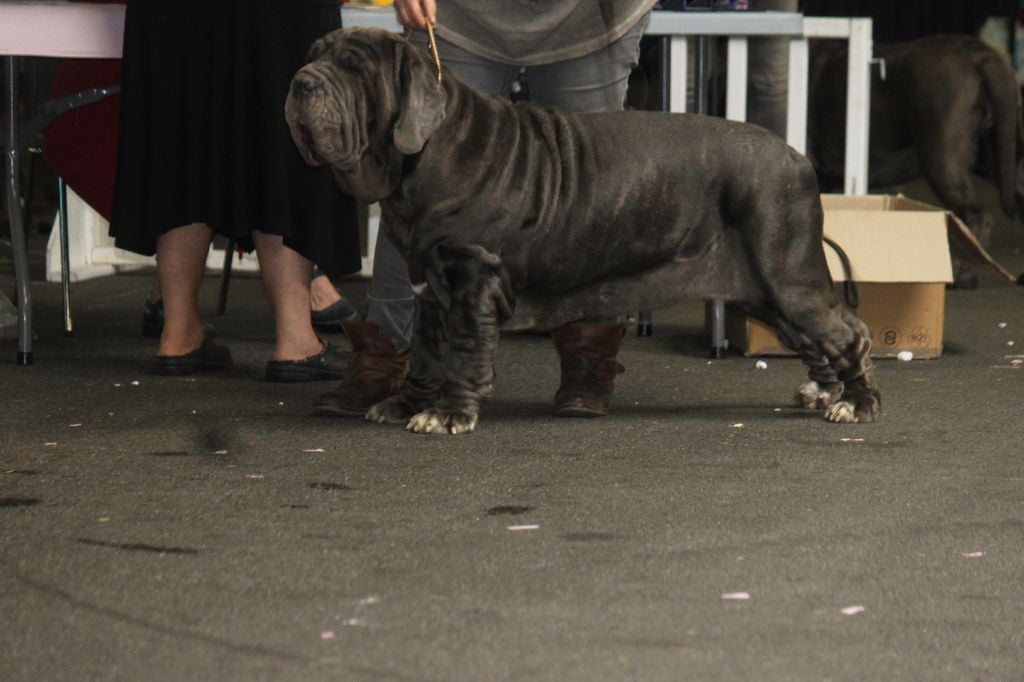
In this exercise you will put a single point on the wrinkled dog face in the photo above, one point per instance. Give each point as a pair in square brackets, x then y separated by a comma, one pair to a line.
[365, 98]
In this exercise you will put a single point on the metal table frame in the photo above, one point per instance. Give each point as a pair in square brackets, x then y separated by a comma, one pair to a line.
[45, 29]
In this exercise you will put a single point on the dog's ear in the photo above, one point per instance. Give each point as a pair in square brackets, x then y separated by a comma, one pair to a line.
[421, 99]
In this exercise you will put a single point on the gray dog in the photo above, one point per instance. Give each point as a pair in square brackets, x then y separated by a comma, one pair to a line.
[947, 108]
[503, 208]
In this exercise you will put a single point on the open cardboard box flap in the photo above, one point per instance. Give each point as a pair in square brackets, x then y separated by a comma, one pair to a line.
[878, 246]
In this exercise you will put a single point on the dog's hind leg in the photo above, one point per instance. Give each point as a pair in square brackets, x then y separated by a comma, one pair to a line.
[836, 347]
[824, 387]
[861, 400]
[798, 290]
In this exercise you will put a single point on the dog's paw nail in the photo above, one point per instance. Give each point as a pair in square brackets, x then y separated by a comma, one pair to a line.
[841, 413]
[429, 421]
[463, 425]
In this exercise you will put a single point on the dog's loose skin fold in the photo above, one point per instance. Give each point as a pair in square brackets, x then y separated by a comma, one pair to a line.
[530, 218]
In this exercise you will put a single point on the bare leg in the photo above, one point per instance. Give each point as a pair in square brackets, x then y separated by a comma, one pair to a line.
[322, 294]
[285, 275]
[181, 254]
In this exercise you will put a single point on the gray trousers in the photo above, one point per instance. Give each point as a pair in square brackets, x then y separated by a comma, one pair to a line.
[594, 82]
[768, 75]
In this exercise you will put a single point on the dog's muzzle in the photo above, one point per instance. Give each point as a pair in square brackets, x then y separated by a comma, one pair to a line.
[304, 89]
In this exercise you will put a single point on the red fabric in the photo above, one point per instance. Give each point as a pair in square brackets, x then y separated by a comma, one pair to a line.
[81, 145]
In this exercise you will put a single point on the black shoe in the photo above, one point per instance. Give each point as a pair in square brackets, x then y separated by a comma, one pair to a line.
[328, 320]
[207, 358]
[327, 365]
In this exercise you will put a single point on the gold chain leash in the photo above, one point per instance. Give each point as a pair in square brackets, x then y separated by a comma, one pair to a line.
[433, 49]
[432, 41]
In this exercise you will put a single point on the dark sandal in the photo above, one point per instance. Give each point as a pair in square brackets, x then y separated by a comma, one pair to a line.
[327, 365]
[328, 320]
[207, 358]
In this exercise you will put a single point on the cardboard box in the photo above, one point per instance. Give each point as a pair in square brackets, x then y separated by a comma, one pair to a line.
[899, 252]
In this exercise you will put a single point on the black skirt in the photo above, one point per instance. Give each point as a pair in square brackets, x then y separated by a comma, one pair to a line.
[203, 137]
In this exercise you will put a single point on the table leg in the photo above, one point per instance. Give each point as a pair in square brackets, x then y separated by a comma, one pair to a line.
[18, 245]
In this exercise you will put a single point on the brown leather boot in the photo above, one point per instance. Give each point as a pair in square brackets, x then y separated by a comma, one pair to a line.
[588, 368]
[376, 372]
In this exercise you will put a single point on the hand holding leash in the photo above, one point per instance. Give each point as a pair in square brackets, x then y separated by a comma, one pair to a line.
[416, 14]
[420, 14]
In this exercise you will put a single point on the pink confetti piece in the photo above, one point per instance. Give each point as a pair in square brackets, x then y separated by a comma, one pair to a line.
[736, 596]
[524, 527]
[852, 610]
[972, 555]
[254, 477]
[315, 450]
[327, 634]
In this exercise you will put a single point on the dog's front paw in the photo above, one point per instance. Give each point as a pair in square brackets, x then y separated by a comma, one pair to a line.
[393, 410]
[438, 420]
[815, 396]
[864, 411]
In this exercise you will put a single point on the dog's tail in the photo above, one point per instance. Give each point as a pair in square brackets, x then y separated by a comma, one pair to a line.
[1004, 100]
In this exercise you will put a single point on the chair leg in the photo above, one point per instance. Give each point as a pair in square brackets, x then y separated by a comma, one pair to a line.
[65, 259]
[644, 323]
[225, 277]
[719, 344]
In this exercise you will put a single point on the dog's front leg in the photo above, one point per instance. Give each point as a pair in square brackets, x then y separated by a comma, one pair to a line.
[422, 386]
[469, 365]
